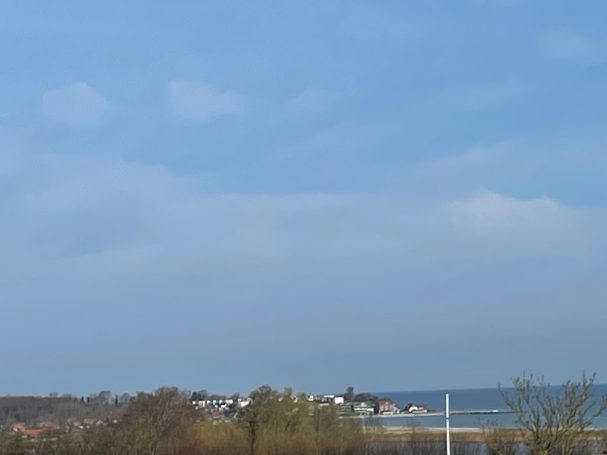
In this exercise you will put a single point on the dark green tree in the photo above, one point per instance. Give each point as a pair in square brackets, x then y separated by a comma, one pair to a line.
[349, 393]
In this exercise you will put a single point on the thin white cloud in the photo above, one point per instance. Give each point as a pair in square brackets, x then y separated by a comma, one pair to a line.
[335, 139]
[500, 3]
[572, 47]
[457, 175]
[476, 157]
[94, 231]
[496, 211]
[201, 102]
[311, 100]
[75, 105]
[517, 163]
[372, 24]
[478, 97]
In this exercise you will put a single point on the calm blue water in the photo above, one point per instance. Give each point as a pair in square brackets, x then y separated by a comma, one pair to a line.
[471, 399]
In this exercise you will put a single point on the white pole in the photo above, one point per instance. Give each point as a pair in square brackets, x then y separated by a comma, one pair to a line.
[447, 424]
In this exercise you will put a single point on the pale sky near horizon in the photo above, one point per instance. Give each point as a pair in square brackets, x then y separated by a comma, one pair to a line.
[394, 195]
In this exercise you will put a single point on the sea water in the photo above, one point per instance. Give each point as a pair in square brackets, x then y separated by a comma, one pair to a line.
[466, 400]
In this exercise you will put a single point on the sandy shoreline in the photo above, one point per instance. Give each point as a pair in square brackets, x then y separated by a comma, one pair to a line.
[458, 435]
[407, 429]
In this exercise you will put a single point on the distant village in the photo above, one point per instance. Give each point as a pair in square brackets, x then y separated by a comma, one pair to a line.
[51, 428]
[369, 407]
[214, 407]
[362, 405]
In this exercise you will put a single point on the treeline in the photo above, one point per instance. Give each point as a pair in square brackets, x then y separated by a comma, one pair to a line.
[33, 410]
[165, 423]
[282, 423]
[274, 423]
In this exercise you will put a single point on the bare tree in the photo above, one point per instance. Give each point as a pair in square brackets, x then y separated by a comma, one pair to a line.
[156, 419]
[553, 419]
[257, 415]
[153, 424]
[498, 440]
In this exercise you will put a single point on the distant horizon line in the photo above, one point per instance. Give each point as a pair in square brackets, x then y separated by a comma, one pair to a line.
[472, 388]
[445, 390]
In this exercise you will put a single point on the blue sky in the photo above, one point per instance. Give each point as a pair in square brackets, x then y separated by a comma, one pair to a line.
[391, 195]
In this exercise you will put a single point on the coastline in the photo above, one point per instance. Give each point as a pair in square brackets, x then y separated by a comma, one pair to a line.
[458, 435]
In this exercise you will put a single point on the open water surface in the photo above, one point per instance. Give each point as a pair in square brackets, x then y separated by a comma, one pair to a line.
[464, 400]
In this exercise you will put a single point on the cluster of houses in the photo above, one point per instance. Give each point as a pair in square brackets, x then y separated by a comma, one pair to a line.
[383, 406]
[221, 408]
[228, 408]
[51, 428]
[44, 429]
